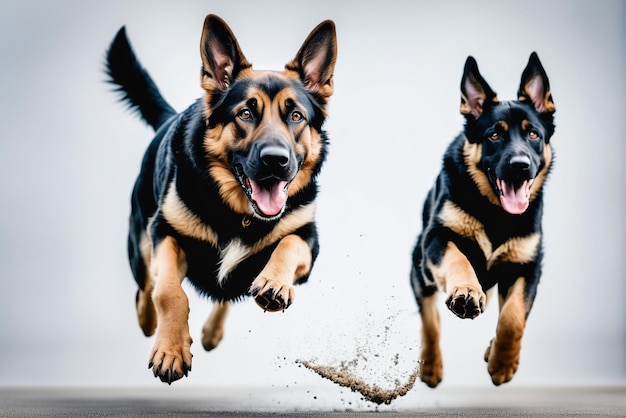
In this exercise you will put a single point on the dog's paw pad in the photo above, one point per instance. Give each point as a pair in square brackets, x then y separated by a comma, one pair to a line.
[466, 302]
[269, 302]
[272, 296]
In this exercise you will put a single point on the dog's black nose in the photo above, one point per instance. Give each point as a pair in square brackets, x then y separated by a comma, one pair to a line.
[274, 156]
[520, 162]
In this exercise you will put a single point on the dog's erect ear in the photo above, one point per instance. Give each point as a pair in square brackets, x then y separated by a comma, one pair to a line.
[535, 86]
[474, 90]
[315, 61]
[222, 59]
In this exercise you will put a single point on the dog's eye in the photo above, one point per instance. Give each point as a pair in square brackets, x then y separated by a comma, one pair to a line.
[296, 116]
[244, 114]
[533, 135]
[494, 136]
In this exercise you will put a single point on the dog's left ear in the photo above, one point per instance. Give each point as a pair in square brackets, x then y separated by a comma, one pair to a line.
[315, 61]
[535, 86]
[222, 59]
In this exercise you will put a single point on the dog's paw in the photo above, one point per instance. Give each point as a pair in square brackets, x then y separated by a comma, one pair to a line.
[431, 367]
[211, 336]
[170, 359]
[501, 364]
[502, 371]
[272, 295]
[466, 301]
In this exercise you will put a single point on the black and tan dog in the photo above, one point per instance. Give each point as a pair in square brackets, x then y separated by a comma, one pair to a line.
[482, 218]
[226, 192]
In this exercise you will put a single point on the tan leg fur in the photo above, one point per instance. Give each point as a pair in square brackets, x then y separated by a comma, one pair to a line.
[503, 354]
[431, 371]
[213, 329]
[273, 288]
[456, 277]
[146, 313]
[170, 358]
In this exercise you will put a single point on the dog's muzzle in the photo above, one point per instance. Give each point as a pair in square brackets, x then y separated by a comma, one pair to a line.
[513, 185]
[265, 174]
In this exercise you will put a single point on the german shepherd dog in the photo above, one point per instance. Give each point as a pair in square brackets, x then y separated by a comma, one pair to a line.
[226, 192]
[482, 218]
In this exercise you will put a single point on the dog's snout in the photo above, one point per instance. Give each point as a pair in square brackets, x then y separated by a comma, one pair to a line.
[520, 162]
[274, 156]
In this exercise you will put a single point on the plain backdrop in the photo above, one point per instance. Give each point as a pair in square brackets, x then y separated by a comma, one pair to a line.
[69, 155]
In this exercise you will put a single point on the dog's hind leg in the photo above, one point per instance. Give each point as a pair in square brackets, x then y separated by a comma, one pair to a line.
[503, 354]
[146, 313]
[213, 329]
[431, 368]
[431, 363]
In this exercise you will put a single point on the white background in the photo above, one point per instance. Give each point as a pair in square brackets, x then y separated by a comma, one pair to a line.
[69, 155]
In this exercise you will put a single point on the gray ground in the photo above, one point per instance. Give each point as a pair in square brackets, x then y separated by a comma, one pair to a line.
[320, 401]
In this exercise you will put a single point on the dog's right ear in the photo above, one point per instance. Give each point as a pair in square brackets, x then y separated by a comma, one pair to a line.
[222, 59]
[474, 90]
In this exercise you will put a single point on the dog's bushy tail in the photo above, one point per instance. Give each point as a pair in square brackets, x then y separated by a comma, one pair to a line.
[134, 83]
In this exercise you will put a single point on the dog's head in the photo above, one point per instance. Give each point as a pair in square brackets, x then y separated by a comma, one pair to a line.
[264, 138]
[508, 142]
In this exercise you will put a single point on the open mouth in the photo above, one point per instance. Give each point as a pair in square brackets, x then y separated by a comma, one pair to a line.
[267, 196]
[514, 196]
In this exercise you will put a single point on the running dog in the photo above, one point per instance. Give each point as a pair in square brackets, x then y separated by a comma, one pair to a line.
[482, 218]
[226, 192]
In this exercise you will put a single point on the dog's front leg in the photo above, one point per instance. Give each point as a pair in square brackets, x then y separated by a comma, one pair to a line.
[455, 276]
[503, 354]
[273, 288]
[170, 359]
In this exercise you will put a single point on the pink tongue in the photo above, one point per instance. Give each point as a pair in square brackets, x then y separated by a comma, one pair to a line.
[270, 200]
[514, 201]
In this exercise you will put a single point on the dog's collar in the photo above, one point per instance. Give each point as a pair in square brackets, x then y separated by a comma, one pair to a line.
[246, 221]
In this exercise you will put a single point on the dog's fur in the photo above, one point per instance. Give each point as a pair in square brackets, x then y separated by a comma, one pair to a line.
[482, 218]
[226, 192]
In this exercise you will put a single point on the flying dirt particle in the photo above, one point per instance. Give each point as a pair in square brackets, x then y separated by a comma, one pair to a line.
[371, 392]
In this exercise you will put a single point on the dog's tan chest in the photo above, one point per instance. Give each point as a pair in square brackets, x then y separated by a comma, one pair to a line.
[519, 250]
